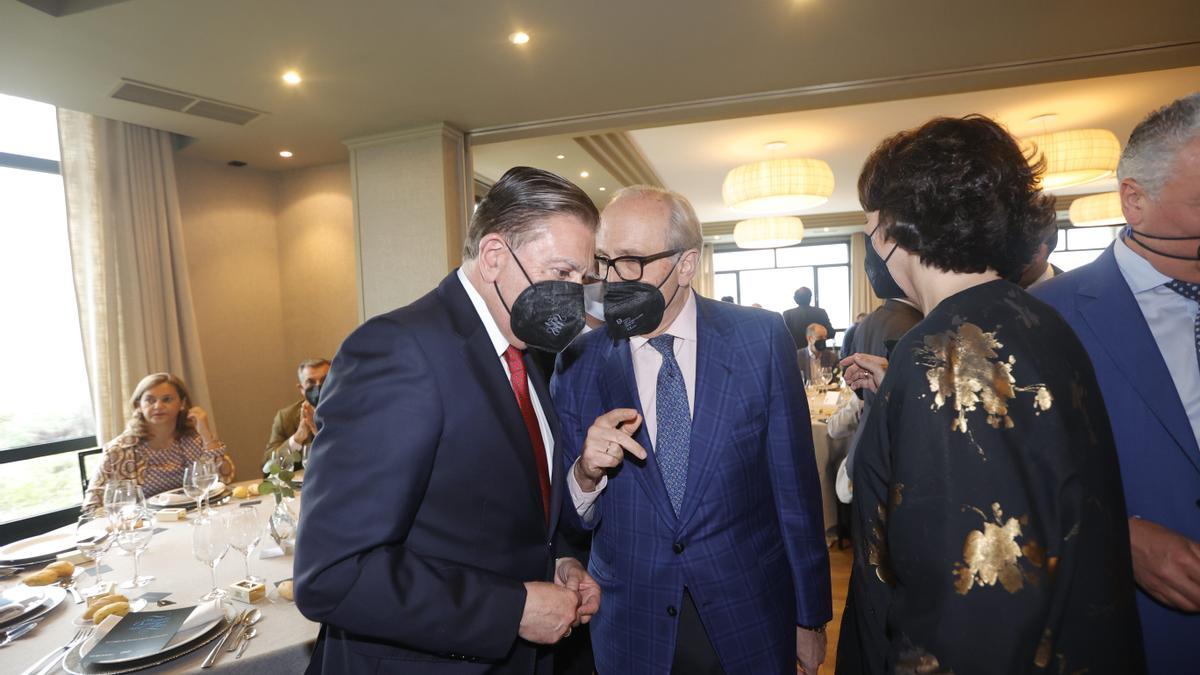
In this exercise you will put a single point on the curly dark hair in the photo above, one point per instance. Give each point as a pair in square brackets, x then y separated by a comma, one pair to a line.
[960, 194]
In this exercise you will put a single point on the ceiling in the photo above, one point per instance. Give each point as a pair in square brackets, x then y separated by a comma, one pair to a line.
[372, 67]
[492, 160]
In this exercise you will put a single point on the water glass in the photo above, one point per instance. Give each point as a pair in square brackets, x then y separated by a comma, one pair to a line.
[93, 539]
[134, 531]
[245, 532]
[210, 543]
[206, 474]
[195, 485]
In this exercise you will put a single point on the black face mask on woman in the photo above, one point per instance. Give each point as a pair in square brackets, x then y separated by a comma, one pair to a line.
[547, 315]
[882, 282]
[635, 307]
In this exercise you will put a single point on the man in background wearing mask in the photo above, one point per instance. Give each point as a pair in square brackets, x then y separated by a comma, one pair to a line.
[1135, 311]
[815, 355]
[432, 494]
[708, 542]
[293, 427]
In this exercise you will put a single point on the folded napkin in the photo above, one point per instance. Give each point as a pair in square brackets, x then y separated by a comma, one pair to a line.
[270, 550]
[201, 617]
[177, 498]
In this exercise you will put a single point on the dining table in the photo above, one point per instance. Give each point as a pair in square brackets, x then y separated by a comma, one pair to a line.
[828, 452]
[284, 639]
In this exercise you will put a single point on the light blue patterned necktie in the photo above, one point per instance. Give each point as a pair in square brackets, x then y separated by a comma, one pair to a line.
[1186, 289]
[674, 435]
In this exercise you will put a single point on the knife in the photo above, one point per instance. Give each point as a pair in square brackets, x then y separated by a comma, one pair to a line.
[212, 656]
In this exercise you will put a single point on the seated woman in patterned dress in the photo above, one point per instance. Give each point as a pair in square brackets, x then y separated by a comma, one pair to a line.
[164, 434]
[989, 518]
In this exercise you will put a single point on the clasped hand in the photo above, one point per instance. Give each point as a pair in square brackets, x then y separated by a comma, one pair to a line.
[553, 609]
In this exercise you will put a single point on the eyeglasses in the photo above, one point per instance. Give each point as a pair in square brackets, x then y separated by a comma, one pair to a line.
[629, 267]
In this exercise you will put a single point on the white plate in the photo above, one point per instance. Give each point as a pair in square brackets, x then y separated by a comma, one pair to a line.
[41, 546]
[54, 596]
[24, 597]
[176, 497]
[71, 663]
[179, 640]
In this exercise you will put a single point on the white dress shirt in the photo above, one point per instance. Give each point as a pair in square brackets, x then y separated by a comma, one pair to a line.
[646, 362]
[501, 344]
[1172, 321]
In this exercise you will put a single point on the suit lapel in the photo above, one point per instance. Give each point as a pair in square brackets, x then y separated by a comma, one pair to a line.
[484, 366]
[618, 389]
[714, 357]
[1111, 311]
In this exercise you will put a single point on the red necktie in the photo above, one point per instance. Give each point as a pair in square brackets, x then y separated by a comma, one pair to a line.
[520, 385]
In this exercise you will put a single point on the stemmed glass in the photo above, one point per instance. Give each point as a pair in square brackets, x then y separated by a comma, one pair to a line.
[118, 495]
[245, 531]
[210, 543]
[195, 486]
[205, 473]
[135, 528]
[93, 539]
[823, 376]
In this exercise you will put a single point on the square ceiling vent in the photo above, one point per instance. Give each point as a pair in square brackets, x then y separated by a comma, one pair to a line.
[183, 102]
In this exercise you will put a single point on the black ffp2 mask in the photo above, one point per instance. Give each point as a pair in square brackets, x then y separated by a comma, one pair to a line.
[547, 315]
[312, 394]
[635, 307]
[882, 282]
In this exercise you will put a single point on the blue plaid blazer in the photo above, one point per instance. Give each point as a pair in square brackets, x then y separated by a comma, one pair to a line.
[749, 541]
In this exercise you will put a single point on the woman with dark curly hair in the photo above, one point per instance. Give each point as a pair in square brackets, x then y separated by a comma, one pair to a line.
[988, 510]
[164, 434]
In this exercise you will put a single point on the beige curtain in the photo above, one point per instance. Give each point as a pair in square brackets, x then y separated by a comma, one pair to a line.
[862, 298]
[127, 253]
[705, 279]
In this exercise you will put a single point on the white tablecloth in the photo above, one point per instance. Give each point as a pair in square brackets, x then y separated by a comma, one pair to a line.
[285, 638]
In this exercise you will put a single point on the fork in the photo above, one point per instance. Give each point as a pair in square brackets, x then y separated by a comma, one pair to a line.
[17, 631]
[69, 584]
[47, 662]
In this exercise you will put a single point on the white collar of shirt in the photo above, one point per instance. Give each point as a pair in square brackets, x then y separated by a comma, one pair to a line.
[683, 327]
[1047, 275]
[1139, 274]
[499, 342]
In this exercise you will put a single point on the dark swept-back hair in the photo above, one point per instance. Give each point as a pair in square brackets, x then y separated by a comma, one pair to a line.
[517, 204]
[802, 296]
[960, 194]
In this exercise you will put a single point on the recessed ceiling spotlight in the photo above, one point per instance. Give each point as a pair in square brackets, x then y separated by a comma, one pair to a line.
[560, 156]
[519, 38]
[285, 153]
[584, 174]
[775, 145]
[602, 189]
[292, 77]
[1044, 118]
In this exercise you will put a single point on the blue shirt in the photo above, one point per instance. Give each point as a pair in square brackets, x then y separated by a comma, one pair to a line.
[1172, 319]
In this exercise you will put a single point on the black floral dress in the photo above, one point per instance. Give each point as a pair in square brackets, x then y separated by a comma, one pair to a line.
[990, 528]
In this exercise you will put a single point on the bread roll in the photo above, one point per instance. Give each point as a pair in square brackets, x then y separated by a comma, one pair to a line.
[42, 578]
[117, 608]
[102, 602]
[63, 568]
[285, 589]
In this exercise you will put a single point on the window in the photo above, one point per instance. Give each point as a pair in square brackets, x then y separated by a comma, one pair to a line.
[46, 408]
[1081, 245]
[769, 277]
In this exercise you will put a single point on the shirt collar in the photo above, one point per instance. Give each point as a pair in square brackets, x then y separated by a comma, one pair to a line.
[499, 342]
[683, 327]
[1139, 274]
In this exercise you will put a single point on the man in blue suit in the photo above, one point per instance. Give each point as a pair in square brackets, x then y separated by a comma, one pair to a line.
[1135, 310]
[432, 491]
[708, 541]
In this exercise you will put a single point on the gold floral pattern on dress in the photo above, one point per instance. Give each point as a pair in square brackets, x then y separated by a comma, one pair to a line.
[964, 365]
[1041, 658]
[916, 661]
[992, 555]
[877, 548]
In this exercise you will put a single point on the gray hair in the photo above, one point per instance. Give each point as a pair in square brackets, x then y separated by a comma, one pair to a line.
[309, 363]
[1157, 139]
[684, 231]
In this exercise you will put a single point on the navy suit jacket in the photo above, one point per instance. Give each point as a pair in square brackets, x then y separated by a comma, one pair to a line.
[749, 542]
[422, 517]
[1160, 460]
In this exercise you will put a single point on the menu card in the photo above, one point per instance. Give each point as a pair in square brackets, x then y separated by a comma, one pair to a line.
[137, 635]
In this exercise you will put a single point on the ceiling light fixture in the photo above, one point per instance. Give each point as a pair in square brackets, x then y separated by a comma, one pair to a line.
[1074, 157]
[775, 232]
[1097, 210]
[285, 153]
[292, 77]
[519, 38]
[560, 156]
[584, 174]
[602, 188]
[775, 146]
[775, 186]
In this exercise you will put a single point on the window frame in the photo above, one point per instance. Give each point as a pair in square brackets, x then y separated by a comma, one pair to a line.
[21, 528]
[822, 241]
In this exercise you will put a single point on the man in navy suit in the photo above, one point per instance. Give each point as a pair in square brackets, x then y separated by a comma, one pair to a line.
[432, 490]
[1135, 310]
[708, 541]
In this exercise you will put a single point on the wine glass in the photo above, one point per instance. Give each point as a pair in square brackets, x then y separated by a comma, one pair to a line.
[210, 543]
[823, 376]
[93, 539]
[245, 531]
[135, 528]
[207, 475]
[118, 495]
[195, 486]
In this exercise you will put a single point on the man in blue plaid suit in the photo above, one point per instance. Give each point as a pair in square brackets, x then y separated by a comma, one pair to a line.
[708, 539]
